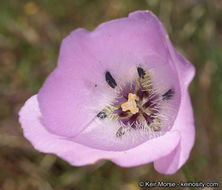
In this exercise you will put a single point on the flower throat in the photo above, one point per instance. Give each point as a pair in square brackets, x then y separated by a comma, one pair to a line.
[137, 105]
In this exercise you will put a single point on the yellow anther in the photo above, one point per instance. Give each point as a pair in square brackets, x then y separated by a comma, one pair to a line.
[130, 104]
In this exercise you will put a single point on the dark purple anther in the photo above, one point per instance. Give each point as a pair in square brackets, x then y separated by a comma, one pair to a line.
[110, 80]
[168, 95]
[101, 115]
[141, 72]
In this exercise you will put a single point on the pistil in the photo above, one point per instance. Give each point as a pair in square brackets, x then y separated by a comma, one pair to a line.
[130, 105]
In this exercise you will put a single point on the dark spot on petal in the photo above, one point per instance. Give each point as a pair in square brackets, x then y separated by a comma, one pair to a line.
[141, 72]
[110, 80]
[95, 85]
[101, 115]
[168, 95]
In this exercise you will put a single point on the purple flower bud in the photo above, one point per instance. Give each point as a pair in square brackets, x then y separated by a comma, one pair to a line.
[120, 93]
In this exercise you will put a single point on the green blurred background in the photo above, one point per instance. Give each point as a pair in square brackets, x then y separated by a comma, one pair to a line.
[30, 37]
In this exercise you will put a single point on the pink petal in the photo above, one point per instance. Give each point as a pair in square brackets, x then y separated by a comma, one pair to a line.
[148, 151]
[78, 155]
[66, 96]
[42, 140]
[185, 124]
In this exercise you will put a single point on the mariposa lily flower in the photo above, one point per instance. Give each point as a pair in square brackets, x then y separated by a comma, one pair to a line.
[119, 93]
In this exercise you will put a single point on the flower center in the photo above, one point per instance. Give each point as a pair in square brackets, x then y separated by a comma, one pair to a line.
[137, 106]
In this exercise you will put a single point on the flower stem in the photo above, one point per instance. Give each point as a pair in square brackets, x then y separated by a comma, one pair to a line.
[188, 175]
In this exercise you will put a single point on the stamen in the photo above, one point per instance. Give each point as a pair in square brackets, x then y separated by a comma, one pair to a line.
[144, 83]
[101, 115]
[120, 132]
[156, 125]
[168, 95]
[141, 72]
[130, 104]
[110, 80]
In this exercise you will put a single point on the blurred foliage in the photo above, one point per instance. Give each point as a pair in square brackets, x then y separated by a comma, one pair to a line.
[30, 36]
